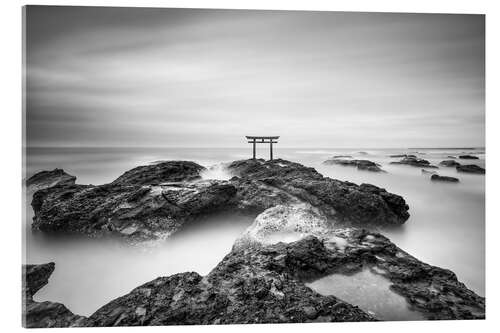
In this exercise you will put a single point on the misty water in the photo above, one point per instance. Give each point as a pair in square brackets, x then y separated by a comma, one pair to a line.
[446, 227]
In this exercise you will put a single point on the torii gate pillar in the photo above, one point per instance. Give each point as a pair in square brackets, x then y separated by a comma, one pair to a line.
[263, 139]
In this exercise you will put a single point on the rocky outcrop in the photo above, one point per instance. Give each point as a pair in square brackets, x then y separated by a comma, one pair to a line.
[360, 164]
[46, 179]
[403, 155]
[145, 203]
[471, 168]
[263, 184]
[171, 171]
[416, 162]
[468, 157]
[44, 314]
[262, 280]
[137, 212]
[449, 163]
[428, 172]
[438, 178]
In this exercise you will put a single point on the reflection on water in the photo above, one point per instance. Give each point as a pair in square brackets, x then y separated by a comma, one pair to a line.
[446, 227]
[368, 290]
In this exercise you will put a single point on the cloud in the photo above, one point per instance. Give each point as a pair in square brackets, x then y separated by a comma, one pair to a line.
[179, 77]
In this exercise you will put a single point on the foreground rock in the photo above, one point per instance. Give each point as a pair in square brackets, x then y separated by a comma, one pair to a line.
[46, 179]
[449, 163]
[153, 201]
[263, 281]
[438, 178]
[44, 314]
[471, 168]
[360, 164]
[263, 184]
[468, 157]
[128, 207]
[416, 162]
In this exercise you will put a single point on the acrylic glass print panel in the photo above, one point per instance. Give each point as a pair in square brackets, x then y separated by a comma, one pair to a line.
[201, 166]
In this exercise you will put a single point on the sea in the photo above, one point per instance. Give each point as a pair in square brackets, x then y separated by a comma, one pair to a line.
[446, 227]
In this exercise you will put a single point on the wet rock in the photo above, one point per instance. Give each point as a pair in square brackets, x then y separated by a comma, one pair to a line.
[428, 172]
[46, 179]
[416, 162]
[471, 168]
[360, 164]
[449, 163]
[439, 178]
[263, 281]
[342, 156]
[468, 157]
[264, 184]
[44, 314]
[170, 171]
[132, 211]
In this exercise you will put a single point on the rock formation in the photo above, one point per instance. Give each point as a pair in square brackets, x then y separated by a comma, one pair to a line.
[416, 162]
[438, 178]
[449, 163]
[44, 314]
[471, 168]
[360, 164]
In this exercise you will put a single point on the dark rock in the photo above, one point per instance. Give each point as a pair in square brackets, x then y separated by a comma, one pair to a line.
[449, 163]
[46, 179]
[471, 168]
[44, 314]
[449, 156]
[132, 211]
[444, 179]
[403, 155]
[360, 164]
[468, 157]
[427, 172]
[416, 162]
[171, 171]
[264, 184]
[342, 156]
[262, 281]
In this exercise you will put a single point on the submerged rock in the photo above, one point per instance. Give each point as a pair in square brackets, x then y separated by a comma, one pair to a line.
[444, 179]
[360, 164]
[471, 168]
[44, 314]
[449, 163]
[46, 179]
[468, 157]
[342, 156]
[428, 172]
[417, 162]
[403, 155]
[263, 184]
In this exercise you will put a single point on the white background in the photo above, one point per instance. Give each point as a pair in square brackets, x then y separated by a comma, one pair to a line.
[11, 144]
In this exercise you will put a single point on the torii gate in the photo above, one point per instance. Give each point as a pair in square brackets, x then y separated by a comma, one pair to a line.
[263, 139]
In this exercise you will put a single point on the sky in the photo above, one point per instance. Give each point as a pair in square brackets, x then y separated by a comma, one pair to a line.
[206, 78]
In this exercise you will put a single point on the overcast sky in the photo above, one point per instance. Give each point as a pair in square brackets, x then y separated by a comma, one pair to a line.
[206, 78]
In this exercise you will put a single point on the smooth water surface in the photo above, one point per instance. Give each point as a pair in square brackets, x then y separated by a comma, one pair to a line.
[446, 227]
[368, 290]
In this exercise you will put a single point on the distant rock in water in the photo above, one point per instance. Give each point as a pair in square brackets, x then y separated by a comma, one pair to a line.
[402, 155]
[468, 157]
[171, 171]
[471, 168]
[417, 162]
[427, 172]
[449, 156]
[46, 179]
[360, 164]
[439, 178]
[44, 314]
[131, 208]
[342, 156]
[449, 163]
